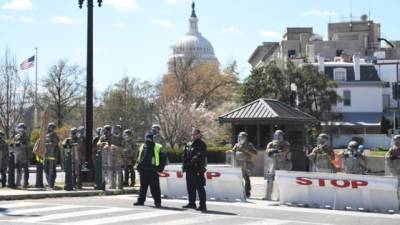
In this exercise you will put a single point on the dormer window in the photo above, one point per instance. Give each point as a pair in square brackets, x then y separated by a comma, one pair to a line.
[340, 74]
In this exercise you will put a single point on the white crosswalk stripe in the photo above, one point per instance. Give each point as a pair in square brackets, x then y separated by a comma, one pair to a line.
[192, 220]
[38, 210]
[18, 205]
[124, 218]
[72, 214]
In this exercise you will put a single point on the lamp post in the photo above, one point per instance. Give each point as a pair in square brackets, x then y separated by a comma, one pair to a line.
[89, 87]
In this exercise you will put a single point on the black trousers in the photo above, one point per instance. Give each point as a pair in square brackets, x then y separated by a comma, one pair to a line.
[247, 185]
[3, 173]
[195, 182]
[129, 172]
[152, 179]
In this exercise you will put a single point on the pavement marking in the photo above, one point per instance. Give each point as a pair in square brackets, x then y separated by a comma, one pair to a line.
[193, 220]
[41, 209]
[19, 204]
[124, 218]
[72, 214]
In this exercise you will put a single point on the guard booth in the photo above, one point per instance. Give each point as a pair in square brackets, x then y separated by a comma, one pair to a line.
[261, 118]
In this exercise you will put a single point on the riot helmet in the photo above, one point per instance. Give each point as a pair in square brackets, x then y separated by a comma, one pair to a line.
[322, 139]
[51, 127]
[279, 135]
[242, 137]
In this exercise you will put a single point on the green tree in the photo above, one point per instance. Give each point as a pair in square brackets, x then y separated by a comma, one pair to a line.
[316, 93]
[128, 103]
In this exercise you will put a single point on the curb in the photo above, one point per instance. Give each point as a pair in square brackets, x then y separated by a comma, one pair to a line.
[66, 194]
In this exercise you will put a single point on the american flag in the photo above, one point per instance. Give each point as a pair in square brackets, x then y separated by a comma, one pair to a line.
[28, 63]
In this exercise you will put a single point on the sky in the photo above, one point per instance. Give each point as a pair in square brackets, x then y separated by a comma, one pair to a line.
[134, 37]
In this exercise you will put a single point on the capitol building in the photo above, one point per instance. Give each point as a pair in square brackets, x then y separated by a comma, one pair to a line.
[193, 47]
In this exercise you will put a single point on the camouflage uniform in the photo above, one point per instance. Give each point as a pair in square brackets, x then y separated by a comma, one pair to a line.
[110, 144]
[71, 145]
[322, 156]
[20, 148]
[3, 159]
[130, 152]
[82, 143]
[95, 141]
[243, 151]
[392, 159]
[353, 161]
[278, 154]
[50, 155]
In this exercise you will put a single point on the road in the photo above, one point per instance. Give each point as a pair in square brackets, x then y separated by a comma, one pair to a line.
[119, 210]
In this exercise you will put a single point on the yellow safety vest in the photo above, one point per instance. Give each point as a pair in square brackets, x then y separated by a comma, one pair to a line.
[157, 148]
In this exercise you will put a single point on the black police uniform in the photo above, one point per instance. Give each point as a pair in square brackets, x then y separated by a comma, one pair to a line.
[194, 165]
[148, 173]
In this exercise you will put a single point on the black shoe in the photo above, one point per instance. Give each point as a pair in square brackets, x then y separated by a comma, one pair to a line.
[248, 195]
[138, 203]
[158, 205]
[202, 209]
[189, 206]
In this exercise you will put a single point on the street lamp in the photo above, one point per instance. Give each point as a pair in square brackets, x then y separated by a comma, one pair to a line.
[89, 87]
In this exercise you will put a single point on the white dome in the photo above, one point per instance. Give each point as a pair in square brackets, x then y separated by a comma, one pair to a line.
[193, 44]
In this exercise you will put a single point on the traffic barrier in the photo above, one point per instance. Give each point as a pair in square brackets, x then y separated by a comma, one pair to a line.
[223, 183]
[338, 191]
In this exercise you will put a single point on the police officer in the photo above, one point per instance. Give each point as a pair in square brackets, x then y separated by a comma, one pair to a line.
[71, 145]
[20, 144]
[129, 157]
[322, 155]
[194, 165]
[353, 160]
[243, 151]
[278, 154]
[50, 155]
[149, 165]
[3, 159]
[393, 160]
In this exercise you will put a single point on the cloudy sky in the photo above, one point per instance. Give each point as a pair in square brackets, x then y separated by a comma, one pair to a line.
[133, 37]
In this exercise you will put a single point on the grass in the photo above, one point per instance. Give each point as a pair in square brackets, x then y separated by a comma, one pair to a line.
[378, 153]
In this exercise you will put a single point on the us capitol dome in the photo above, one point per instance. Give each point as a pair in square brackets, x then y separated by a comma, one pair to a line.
[192, 46]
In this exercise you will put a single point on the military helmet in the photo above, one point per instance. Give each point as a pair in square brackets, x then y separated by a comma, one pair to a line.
[353, 144]
[396, 137]
[81, 128]
[21, 125]
[279, 132]
[98, 130]
[128, 131]
[156, 126]
[278, 135]
[243, 134]
[107, 128]
[323, 136]
[73, 131]
[51, 125]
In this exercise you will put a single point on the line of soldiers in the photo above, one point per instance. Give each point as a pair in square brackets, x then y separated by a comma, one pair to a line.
[321, 158]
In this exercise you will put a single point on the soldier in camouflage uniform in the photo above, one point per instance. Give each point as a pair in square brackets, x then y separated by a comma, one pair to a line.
[96, 139]
[3, 159]
[110, 144]
[322, 155]
[50, 155]
[20, 144]
[278, 153]
[130, 152]
[82, 143]
[353, 160]
[71, 145]
[243, 151]
[392, 158]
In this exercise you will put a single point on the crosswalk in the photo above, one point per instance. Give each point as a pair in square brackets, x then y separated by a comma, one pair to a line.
[70, 214]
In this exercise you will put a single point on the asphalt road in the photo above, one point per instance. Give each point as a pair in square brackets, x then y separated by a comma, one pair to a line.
[119, 210]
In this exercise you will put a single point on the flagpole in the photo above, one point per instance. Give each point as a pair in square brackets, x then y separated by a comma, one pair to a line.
[36, 88]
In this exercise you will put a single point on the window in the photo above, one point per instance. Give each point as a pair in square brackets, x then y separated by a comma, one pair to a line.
[395, 91]
[339, 52]
[291, 53]
[340, 74]
[346, 98]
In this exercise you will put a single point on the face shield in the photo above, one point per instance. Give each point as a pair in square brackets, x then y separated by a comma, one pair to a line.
[278, 135]
[242, 139]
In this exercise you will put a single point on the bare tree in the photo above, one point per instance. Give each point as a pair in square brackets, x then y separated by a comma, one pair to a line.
[63, 90]
[14, 93]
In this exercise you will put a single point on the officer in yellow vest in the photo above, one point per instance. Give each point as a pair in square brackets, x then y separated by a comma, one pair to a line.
[149, 167]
